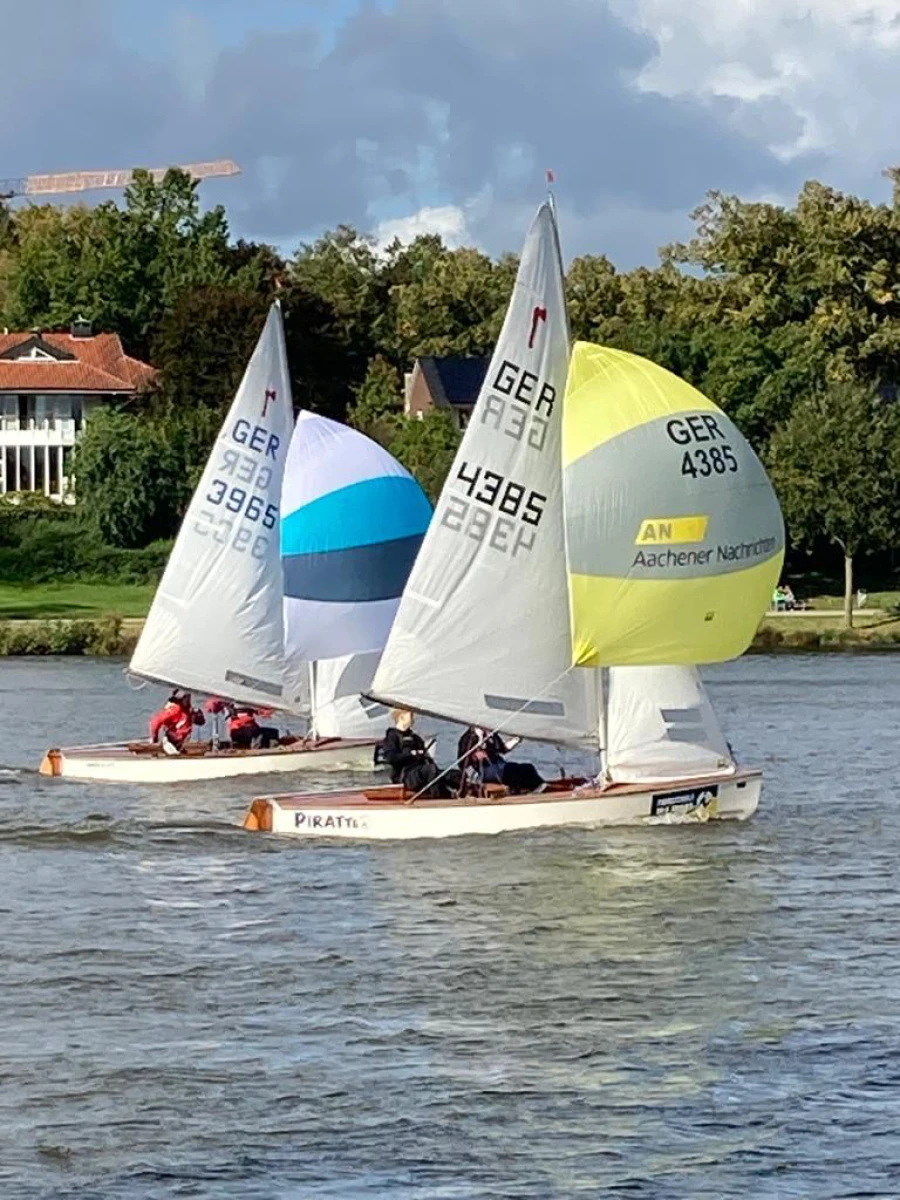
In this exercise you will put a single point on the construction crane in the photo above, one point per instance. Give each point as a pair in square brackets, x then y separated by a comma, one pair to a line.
[88, 181]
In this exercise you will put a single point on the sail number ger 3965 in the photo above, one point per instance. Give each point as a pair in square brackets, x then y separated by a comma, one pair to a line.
[242, 504]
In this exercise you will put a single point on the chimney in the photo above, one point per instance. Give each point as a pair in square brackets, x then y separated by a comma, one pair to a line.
[81, 328]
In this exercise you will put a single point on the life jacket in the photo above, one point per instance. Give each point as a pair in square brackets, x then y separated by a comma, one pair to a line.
[243, 719]
[173, 718]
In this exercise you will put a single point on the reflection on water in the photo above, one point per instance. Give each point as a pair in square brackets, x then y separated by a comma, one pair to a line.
[677, 1012]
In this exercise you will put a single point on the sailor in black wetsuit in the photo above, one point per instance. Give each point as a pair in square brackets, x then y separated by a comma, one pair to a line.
[405, 753]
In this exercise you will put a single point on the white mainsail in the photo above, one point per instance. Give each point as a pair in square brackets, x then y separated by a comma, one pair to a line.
[216, 623]
[661, 726]
[482, 635]
[339, 706]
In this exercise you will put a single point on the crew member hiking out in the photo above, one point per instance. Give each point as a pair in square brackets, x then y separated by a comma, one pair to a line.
[172, 725]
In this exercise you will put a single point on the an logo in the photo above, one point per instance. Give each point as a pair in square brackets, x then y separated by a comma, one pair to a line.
[270, 395]
[659, 531]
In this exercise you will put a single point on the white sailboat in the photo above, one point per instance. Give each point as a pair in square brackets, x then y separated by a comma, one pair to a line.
[625, 524]
[226, 620]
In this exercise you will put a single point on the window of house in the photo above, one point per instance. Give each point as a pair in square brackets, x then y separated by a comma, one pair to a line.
[26, 411]
[37, 482]
[53, 480]
[44, 412]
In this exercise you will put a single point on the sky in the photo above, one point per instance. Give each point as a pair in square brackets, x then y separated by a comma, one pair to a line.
[408, 116]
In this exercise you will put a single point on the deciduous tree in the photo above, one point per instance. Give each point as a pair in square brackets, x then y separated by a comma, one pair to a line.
[836, 466]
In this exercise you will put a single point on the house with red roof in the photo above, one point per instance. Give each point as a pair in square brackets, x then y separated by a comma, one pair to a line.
[50, 383]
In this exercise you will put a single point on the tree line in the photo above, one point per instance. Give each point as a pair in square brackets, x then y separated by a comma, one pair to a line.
[788, 317]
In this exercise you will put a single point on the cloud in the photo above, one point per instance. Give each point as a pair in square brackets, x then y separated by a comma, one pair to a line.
[809, 76]
[449, 110]
[448, 221]
[510, 88]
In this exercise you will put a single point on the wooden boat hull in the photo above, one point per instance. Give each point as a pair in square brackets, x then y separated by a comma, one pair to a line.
[143, 763]
[385, 813]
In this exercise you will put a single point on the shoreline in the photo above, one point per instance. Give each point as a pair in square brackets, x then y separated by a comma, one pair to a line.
[112, 636]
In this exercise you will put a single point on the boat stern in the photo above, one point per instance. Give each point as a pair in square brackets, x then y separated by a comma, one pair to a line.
[51, 763]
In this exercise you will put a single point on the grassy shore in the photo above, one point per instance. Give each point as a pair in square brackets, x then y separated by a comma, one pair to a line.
[88, 601]
[86, 618]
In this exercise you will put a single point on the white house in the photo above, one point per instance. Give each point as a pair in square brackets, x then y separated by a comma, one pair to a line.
[49, 384]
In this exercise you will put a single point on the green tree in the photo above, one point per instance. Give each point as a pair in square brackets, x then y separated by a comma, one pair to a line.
[203, 344]
[379, 406]
[836, 466]
[122, 268]
[427, 448]
[793, 298]
[337, 278]
[129, 479]
[440, 301]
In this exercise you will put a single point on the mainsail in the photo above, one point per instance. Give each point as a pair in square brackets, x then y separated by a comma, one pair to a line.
[481, 634]
[215, 624]
[674, 536]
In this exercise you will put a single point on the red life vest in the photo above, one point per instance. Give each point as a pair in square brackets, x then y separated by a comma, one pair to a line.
[242, 720]
[174, 719]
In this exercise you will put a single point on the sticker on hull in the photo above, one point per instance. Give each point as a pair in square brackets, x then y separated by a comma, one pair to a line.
[684, 800]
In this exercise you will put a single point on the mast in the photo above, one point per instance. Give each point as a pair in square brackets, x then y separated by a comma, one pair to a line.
[602, 675]
[551, 200]
[311, 666]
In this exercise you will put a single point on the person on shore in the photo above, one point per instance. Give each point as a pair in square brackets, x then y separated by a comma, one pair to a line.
[484, 754]
[173, 724]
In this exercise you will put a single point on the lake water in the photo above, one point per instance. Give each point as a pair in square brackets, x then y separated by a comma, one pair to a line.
[677, 1012]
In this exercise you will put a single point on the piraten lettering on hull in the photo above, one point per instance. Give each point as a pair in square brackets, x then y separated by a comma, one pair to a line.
[327, 821]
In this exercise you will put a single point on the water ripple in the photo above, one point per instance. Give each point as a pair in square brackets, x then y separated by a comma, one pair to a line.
[667, 1014]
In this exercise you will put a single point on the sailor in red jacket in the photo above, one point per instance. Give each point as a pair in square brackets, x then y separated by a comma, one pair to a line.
[246, 732]
[172, 725]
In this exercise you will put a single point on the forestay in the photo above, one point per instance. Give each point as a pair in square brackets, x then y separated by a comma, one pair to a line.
[481, 635]
[674, 536]
[661, 726]
[216, 624]
[352, 522]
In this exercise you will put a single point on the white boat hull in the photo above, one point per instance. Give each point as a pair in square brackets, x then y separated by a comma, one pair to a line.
[121, 763]
[377, 814]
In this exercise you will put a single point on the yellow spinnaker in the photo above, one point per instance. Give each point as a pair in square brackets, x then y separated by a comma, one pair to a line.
[674, 536]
